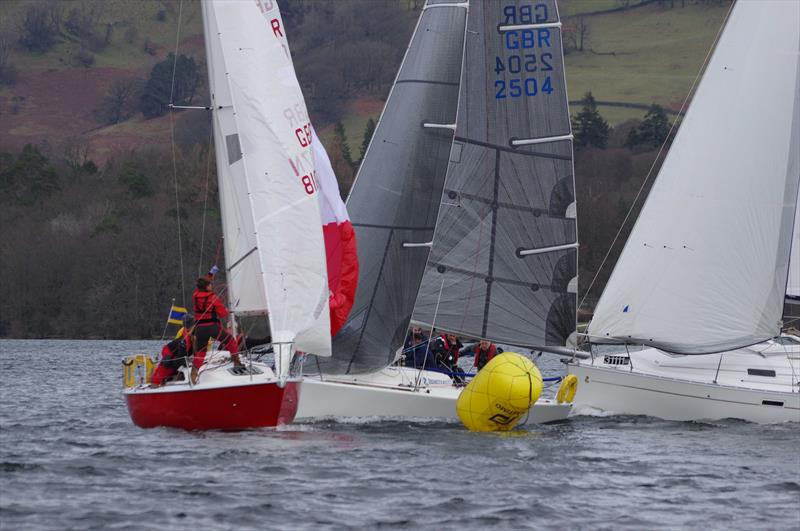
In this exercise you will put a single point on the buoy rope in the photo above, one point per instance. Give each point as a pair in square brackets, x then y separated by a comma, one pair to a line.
[655, 161]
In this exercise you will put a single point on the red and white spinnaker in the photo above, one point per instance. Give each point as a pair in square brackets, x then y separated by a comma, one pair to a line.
[340, 239]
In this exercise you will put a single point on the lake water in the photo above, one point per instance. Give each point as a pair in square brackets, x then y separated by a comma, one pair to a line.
[71, 459]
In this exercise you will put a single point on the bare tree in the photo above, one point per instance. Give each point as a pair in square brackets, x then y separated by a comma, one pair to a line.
[120, 100]
[582, 31]
[8, 72]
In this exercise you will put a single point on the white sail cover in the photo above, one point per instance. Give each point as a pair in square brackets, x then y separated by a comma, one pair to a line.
[274, 248]
[705, 267]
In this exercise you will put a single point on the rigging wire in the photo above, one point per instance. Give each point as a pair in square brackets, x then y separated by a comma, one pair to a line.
[205, 204]
[658, 156]
[174, 162]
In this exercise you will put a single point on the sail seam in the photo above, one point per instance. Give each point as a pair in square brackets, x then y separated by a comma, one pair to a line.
[535, 211]
[511, 150]
[501, 280]
[427, 82]
[492, 242]
[389, 227]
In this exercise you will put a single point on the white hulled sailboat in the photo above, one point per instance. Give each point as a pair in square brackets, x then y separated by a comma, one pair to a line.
[464, 208]
[689, 324]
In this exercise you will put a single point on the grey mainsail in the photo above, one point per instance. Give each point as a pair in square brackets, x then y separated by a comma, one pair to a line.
[503, 265]
[395, 199]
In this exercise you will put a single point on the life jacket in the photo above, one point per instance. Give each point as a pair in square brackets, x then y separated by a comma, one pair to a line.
[174, 353]
[204, 308]
[482, 357]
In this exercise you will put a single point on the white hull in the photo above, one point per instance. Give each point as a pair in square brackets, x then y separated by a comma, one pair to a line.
[682, 387]
[391, 393]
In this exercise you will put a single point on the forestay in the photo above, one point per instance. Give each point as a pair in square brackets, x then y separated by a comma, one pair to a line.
[395, 198]
[274, 249]
[504, 260]
[705, 268]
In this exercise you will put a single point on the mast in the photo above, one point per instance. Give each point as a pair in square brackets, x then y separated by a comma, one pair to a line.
[395, 199]
[705, 267]
[275, 265]
[504, 260]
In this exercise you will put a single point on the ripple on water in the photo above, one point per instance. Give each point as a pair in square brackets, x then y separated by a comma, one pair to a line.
[70, 458]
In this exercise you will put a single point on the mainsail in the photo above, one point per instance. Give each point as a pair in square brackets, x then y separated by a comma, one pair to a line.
[504, 261]
[705, 268]
[274, 248]
[395, 198]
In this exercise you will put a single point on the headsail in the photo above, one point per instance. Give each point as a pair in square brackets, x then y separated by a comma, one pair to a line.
[793, 284]
[395, 198]
[705, 268]
[340, 239]
[504, 259]
[274, 247]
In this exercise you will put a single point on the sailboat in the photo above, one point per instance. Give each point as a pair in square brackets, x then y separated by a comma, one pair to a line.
[464, 209]
[689, 324]
[273, 235]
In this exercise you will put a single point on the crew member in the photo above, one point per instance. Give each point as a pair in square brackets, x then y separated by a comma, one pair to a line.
[174, 355]
[208, 314]
[446, 348]
[484, 351]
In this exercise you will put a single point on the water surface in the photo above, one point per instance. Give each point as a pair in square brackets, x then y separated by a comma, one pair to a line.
[71, 459]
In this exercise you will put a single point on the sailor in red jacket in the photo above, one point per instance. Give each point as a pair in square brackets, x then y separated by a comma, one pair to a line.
[484, 352]
[174, 355]
[209, 313]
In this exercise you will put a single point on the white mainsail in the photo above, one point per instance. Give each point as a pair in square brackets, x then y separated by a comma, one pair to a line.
[274, 248]
[705, 268]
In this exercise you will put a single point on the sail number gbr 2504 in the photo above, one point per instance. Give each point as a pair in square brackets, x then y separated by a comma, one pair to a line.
[525, 72]
[523, 64]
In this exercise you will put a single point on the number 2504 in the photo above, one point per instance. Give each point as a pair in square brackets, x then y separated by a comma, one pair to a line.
[516, 87]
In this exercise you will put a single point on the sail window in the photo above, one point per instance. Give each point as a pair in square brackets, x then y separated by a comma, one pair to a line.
[234, 148]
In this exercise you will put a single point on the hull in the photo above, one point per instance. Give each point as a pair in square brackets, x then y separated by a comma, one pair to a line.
[256, 405]
[223, 398]
[391, 394]
[683, 388]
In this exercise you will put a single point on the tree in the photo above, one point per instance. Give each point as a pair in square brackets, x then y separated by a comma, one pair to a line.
[341, 140]
[155, 97]
[118, 104]
[369, 130]
[39, 28]
[652, 132]
[30, 178]
[8, 72]
[589, 128]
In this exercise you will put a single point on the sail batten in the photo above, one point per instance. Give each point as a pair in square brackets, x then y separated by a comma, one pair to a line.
[501, 197]
[705, 267]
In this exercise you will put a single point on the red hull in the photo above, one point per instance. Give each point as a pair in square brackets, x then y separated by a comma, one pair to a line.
[223, 408]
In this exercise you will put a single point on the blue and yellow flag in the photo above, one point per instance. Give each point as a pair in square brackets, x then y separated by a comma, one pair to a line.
[176, 315]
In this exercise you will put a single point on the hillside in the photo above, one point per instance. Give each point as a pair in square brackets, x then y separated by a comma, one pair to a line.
[91, 198]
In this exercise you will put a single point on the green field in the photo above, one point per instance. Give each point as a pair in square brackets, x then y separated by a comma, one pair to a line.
[657, 55]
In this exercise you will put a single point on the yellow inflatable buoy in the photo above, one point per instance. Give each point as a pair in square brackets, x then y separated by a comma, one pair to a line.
[500, 394]
[569, 386]
[129, 366]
